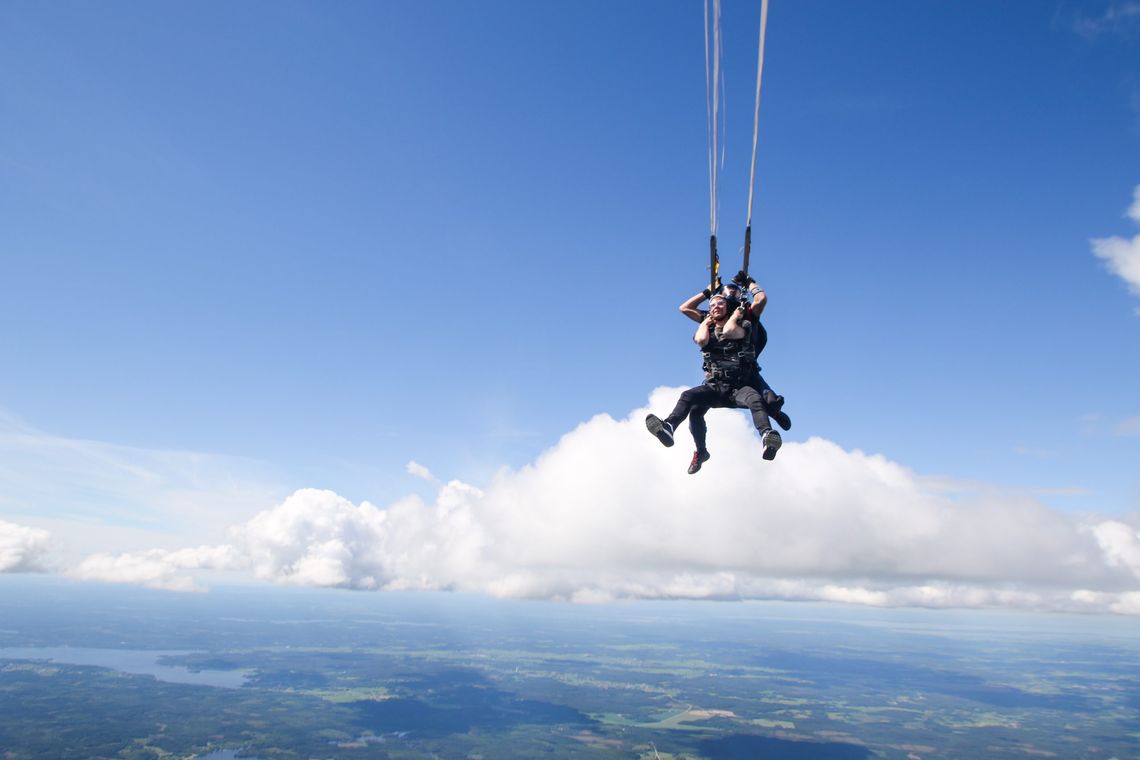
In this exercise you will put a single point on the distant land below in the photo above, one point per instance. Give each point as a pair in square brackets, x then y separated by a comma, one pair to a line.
[251, 672]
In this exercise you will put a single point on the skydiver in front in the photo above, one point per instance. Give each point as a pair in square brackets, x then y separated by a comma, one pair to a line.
[759, 299]
[731, 376]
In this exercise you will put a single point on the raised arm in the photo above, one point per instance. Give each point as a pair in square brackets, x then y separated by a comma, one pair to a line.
[759, 297]
[689, 307]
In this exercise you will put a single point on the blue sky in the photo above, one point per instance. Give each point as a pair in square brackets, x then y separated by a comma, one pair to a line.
[314, 242]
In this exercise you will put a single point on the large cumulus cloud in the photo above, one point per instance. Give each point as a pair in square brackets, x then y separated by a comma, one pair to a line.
[22, 549]
[607, 513]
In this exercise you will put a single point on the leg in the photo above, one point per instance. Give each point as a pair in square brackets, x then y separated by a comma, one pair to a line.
[774, 402]
[700, 396]
[751, 399]
[699, 429]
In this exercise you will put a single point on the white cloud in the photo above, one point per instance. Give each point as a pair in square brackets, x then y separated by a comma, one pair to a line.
[158, 568]
[22, 548]
[1120, 544]
[1129, 426]
[1122, 256]
[1118, 17]
[607, 513]
[417, 470]
[130, 497]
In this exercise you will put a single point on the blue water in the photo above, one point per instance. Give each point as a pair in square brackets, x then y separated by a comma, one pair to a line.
[137, 661]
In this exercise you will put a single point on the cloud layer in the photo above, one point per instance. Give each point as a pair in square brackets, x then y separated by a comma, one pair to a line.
[1120, 255]
[607, 513]
[159, 568]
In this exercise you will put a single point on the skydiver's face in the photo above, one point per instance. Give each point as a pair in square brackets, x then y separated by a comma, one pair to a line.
[718, 308]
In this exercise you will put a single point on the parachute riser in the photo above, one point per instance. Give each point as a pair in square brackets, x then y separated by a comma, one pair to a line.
[714, 264]
[747, 248]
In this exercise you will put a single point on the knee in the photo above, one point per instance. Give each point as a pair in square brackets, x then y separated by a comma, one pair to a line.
[750, 399]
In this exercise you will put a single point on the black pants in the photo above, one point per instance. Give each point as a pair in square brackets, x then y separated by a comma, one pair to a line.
[697, 424]
[700, 399]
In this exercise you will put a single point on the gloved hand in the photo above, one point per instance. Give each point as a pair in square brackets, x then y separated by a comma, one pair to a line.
[742, 279]
[716, 286]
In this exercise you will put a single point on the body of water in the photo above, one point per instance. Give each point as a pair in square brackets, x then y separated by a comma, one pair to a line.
[137, 661]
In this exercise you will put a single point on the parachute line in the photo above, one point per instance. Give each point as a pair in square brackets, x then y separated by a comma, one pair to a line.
[756, 116]
[713, 90]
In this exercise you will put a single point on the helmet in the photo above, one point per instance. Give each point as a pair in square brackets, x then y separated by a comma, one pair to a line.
[732, 291]
[730, 303]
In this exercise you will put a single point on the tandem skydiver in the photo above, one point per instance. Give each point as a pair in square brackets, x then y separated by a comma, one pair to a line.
[730, 336]
[753, 310]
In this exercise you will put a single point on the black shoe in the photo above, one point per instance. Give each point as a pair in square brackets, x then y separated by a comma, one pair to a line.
[663, 430]
[782, 419]
[772, 443]
[699, 458]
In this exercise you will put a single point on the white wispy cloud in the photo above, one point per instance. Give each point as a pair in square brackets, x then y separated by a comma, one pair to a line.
[22, 549]
[1122, 256]
[1118, 17]
[415, 469]
[82, 488]
[1128, 427]
[607, 513]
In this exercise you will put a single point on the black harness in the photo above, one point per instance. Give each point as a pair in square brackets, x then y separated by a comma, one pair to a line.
[729, 361]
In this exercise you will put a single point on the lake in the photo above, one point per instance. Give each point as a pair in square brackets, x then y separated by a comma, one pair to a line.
[136, 661]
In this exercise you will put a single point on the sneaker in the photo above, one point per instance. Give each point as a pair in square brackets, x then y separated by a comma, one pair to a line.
[772, 443]
[663, 430]
[699, 458]
[782, 419]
